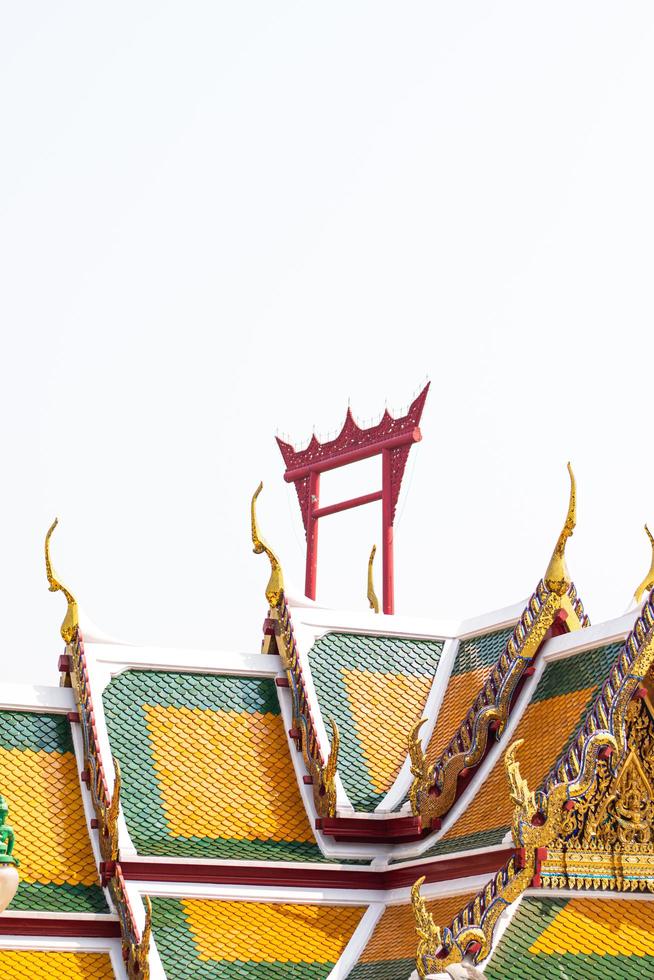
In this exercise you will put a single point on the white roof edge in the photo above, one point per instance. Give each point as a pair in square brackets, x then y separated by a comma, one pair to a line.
[62, 916]
[612, 631]
[122, 656]
[322, 620]
[36, 697]
[119, 657]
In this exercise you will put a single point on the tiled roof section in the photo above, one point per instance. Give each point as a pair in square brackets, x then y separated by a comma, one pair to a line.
[54, 965]
[475, 658]
[576, 938]
[39, 779]
[391, 951]
[558, 706]
[375, 688]
[210, 939]
[206, 767]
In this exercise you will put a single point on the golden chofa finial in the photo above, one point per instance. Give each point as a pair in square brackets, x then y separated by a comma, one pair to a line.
[372, 595]
[557, 577]
[70, 624]
[275, 586]
[648, 581]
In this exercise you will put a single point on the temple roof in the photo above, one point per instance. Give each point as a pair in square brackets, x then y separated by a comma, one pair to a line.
[39, 775]
[206, 767]
[369, 795]
[237, 940]
[576, 937]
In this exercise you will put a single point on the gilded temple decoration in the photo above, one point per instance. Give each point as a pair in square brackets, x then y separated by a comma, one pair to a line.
[136, 949]
[419, 765]
[322, 773]
[372, 595]
[429, 934]
[607, 838]
[70, 624]
[490, 710]
[328, 774]
[557, 577]
[275, 587]
[107, 816]
[591, 826]
[520, 793]
[648, 582]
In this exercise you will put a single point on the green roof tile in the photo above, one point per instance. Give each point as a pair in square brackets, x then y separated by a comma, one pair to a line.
[38, 732]
[182, 959]
[594, 939]
[479, 652]
[37, 897]
[331, 657]
[128, 699]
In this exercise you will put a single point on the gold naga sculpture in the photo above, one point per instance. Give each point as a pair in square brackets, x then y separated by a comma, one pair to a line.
[328, 774]
[419, 765]
[557, 577]
[648, 582]
[429, 934]
[519, 791]
[275, 587]
[372, 595]
[70, 624]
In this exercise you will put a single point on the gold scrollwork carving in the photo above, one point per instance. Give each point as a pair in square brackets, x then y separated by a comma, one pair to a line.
[275, 587]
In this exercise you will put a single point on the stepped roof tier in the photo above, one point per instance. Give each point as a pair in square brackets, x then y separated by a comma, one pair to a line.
[368, 796]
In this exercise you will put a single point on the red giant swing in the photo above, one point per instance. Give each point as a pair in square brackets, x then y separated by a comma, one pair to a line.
[370, 796]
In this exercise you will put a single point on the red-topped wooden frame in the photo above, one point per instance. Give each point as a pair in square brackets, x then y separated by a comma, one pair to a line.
[392, 439]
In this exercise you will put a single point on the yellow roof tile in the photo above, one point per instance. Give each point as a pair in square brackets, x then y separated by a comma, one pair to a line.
[206, 795]
[395, 936]
[47, 816]
[268, 933]
[610, 927]
[43, 964]
[388, 703]
[544, 726]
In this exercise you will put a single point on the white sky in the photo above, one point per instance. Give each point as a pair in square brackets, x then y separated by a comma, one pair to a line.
[217, 219]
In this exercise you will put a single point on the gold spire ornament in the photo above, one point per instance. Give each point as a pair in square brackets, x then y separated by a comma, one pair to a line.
[557, 577]
[70, 624]
[648, 581]
[372, 595]
[275, 587]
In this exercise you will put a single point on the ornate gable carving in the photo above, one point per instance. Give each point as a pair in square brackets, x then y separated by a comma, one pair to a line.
[607, 837]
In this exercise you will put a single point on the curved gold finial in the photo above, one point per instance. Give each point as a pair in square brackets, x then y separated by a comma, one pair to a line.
[557, 577]
[521, 795]
[648, 581]
[372, 595]
[429, 934]
[275, 586]
[70, 624]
